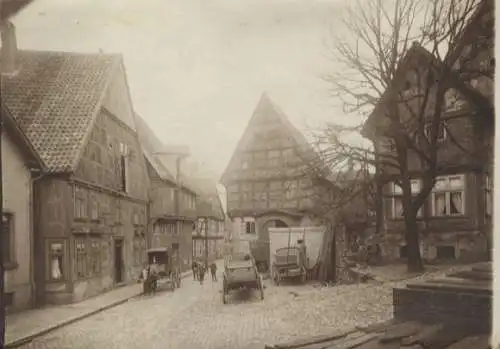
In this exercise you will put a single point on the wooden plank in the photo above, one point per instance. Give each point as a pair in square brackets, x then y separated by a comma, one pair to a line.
[379, 327]
[474, 342]
[301, 342]
[401, 330]
[377, 344]
[421, 335]
[351, 342]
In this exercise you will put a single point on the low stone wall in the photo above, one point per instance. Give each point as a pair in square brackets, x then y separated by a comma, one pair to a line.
[433, 305]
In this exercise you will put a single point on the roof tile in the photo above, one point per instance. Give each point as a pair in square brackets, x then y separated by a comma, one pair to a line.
[54, 98]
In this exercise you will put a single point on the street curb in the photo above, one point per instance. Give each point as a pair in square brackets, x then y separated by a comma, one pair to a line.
[19, 342]
[25, 340]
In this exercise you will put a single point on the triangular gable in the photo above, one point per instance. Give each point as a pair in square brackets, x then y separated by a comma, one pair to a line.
[266, 111]
[409, 61]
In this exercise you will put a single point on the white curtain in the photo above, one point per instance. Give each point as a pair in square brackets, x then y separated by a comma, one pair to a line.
[456, 203]
[56, 268]
[440, 204]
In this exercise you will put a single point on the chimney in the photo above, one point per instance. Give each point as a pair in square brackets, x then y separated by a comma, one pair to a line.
[8, 51]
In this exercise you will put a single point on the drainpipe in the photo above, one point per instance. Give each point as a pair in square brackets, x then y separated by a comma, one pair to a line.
[32, 238]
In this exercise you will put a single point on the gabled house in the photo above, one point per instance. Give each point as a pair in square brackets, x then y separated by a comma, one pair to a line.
[209, 231]
[21, 167]
[90, 204]
[266, 179]
[172, 198]
[455, 221]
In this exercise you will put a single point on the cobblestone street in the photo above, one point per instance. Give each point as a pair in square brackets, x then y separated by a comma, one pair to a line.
[194, 317]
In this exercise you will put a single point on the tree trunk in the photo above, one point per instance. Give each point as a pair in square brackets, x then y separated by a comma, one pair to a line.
[414, 259]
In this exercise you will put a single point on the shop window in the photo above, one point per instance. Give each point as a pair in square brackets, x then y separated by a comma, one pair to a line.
[81, 257]
[56, 251]
[7, 237]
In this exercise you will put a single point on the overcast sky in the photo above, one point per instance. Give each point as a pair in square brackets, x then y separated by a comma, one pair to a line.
[197, 68]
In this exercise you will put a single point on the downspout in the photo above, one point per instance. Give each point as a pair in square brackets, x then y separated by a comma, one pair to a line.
[34, 254]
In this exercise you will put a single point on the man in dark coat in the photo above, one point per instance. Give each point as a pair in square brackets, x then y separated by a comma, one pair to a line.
[213, 271]
[194, 267]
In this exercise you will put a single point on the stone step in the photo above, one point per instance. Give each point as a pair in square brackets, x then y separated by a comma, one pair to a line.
[456, 285]
[473, 275]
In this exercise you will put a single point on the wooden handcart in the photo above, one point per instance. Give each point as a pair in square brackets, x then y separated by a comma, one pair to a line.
[240, 272]
[166, 267]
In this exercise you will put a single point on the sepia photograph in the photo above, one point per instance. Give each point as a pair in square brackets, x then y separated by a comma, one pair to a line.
[264, 174]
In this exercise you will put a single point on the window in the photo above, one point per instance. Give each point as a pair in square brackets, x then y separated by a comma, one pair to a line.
[124, 152]
[250, 227]
[81, 258]
[453, 101]
[488, 196]
[448, 196]
[56, 260]
[81, 202]
[386, 145]
[7, 235]
[442, 132]
[397, 199]
[95, 257]
[94, 208]
[139, 250]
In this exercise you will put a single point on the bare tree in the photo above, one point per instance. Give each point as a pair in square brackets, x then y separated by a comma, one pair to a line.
[430, 39]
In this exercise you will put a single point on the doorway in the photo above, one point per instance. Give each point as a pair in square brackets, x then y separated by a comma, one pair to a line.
[118, 260]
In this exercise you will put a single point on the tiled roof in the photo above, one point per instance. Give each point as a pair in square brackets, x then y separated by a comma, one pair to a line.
[54, 97]
[396, 335]
[151, 146]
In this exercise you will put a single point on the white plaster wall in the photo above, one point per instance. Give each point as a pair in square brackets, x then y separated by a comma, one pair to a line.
[17, 200]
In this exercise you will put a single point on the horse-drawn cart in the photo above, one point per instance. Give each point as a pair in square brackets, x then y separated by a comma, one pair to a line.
[240, 272]
[164, 268]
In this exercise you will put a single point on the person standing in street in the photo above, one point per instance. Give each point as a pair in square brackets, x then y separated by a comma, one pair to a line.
[194, 267]
[213, 271]
[201, 273]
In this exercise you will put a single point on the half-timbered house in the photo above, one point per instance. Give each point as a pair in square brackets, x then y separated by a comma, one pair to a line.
[90, 204]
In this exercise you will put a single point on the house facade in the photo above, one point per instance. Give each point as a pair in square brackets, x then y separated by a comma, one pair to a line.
[172, 200]
[265, 180]
[90, 203]
[209, 229]
[21, 167]
[455, 220]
